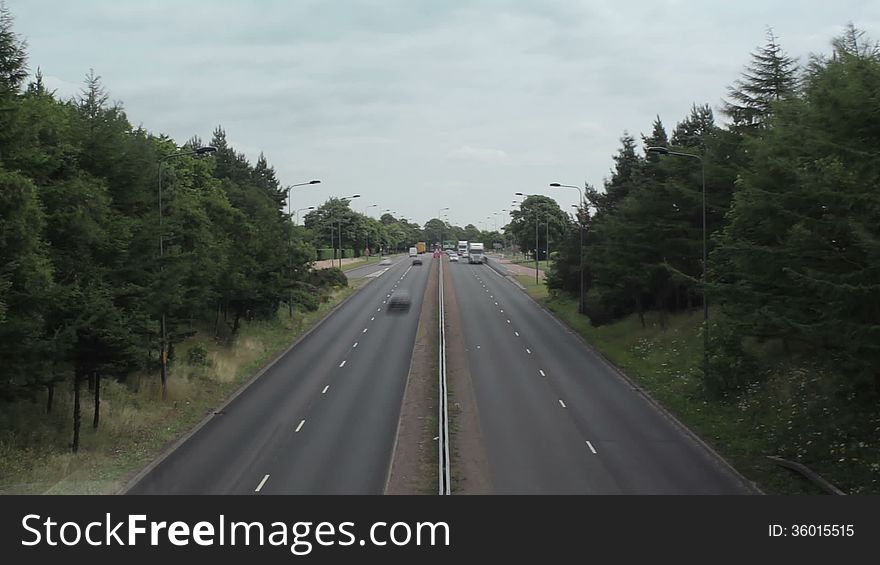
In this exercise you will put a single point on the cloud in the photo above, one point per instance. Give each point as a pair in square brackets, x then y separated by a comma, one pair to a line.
[480, 154]
[392, 98]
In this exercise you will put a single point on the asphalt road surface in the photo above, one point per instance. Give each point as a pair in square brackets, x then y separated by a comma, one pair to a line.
[555, 418]
[322, 420]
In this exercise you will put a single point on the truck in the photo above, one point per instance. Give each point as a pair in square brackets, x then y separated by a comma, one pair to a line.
[421, 246]
[475, 254]
[462, 249]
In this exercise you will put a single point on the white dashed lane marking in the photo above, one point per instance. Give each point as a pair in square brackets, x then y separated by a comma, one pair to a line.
[263, 482]
[561, 403]
[543, 375]
[325, 389]
[300, 426]
[590, 445]
[342, 364]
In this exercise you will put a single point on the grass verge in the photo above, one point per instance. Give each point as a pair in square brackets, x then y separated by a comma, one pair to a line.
[361, 262]
[542, 265]
[538, 290]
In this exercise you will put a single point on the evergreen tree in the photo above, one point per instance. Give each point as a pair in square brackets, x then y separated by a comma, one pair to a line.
[798, 260]
[13, 56]
[25, 288]
[771, 77]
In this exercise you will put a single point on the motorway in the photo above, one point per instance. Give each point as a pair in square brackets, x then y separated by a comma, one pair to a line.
[322, 420]
[555, 418]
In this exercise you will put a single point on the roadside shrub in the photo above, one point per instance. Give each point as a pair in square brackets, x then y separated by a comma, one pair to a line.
[306, 300]
[731, 368]
[198, 355]
[325, 278]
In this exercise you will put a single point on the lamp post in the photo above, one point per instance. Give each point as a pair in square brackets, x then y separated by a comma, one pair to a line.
[547, 252]
[290, 245]
[288, 189]
[296, 213]
[536, 247]
[524, 196]
[581, 305]
[667, 151]
[163, 351]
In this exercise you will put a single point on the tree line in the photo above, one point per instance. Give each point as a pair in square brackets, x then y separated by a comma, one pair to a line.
[792, 214]
[93, 261]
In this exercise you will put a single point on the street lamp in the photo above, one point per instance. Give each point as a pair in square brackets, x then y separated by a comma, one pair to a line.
[296, 213]
[581, 305]
[163, 352]
[290, 243]
[667, 151]
[294, 186]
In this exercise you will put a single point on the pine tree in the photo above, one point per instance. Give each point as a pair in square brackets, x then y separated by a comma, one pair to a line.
[264, 177]
[13, 55]
[800, 257]
[658, 138]
[692, 131]
[771, 77]
[25, 287]
[626, 165]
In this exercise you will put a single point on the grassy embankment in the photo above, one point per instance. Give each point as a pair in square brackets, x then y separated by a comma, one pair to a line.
[362, 261]
[542, 265]
[135, 424]
[795, 412]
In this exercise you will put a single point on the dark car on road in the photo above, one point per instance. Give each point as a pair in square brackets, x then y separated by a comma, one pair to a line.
[417, 261]
[399, 301]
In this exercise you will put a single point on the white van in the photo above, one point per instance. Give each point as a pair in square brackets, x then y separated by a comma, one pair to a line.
[413, 252]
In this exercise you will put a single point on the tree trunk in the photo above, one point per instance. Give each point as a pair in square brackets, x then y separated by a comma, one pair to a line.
[640, 310]
[77, 415]
[91, 382]
[236, 323]
[664, 307]
[97, 400]
[217, 320]
[50, 396]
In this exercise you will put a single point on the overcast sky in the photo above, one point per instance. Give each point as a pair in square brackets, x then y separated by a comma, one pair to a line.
[420, 105]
